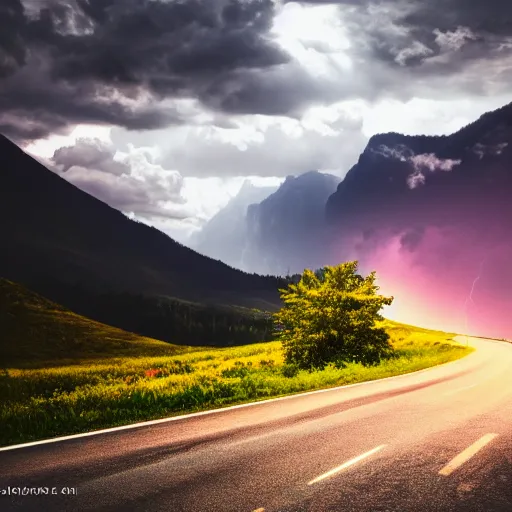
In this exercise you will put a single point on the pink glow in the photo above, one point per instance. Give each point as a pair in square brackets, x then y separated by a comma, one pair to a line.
[432, 281]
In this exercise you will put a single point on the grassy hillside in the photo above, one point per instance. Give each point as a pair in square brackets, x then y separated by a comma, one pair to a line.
[65, 374]
[37, 332]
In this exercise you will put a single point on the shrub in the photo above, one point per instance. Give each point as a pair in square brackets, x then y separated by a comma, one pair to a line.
[290, 370]
[330, 316]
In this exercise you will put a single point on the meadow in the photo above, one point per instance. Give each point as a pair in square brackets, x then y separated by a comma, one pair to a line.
[52, 398]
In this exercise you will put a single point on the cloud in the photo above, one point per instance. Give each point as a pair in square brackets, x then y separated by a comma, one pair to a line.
[460, 39]
[12, 48]
[130, 182]
[399, 152]
[90, 154]
[132, 63]
[411, 239]
[420, 163]
[416, 179]
[432, 163]
[414, 53]
[482, 150]
[117, 61]
[428, 162]
[258, 145]
[455, 39]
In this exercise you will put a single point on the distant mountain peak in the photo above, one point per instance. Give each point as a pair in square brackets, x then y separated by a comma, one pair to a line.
[309, 177]
[287, 224]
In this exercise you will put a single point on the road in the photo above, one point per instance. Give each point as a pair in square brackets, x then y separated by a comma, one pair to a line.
[436, 440]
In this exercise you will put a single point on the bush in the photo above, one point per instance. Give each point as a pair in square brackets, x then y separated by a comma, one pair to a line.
[329, 316]
[290, 370]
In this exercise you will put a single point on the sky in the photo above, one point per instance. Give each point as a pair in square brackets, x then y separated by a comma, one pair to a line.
[162, 108]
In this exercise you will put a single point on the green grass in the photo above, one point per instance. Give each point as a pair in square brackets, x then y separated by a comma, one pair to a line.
[87, 393]
[35, 332]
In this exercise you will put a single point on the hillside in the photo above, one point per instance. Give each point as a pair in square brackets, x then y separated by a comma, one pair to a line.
[35, 331]
[55, 236]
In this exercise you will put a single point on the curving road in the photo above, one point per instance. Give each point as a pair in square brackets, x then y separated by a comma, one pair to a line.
[436, 440]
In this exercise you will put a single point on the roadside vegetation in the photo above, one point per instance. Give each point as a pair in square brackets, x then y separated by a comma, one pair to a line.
[78, 375]
[59, 400]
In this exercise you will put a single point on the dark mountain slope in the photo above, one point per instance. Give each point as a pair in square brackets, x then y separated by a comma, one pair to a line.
[54, 235]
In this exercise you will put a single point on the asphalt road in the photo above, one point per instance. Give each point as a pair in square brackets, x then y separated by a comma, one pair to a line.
[437, 440]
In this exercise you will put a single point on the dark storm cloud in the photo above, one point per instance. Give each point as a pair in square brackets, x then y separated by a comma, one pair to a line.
[414, 33]
[282, 91]
[168, 46]
[113, 61]
[12, 48]
[32, 106]
[122, 62]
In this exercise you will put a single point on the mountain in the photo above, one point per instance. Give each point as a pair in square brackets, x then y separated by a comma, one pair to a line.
[433, 215]
[37, 332]
[56, 238]
[225, 235]
[286, 230]
[397, 171]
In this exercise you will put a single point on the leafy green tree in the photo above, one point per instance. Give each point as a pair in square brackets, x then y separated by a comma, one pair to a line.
[329, 316]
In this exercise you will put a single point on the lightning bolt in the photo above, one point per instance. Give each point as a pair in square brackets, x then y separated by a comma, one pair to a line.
[469, 298]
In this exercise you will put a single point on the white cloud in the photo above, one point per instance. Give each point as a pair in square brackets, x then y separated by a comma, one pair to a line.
[315, 37]
[46, 147]
[415, 179]
[453, 40]
[425, 116]
[428, 162]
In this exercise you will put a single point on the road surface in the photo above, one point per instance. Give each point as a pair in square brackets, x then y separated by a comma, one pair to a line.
[437, 440]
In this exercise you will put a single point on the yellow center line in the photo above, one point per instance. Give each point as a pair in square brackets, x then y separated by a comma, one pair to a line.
[464, 456]
[345, 465]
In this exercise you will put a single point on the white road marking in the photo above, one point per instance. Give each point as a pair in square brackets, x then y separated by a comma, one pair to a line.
[347, 464]
[459, 389]
[465, 455]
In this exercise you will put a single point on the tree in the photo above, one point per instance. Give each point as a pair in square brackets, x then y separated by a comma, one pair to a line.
[330, 316]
